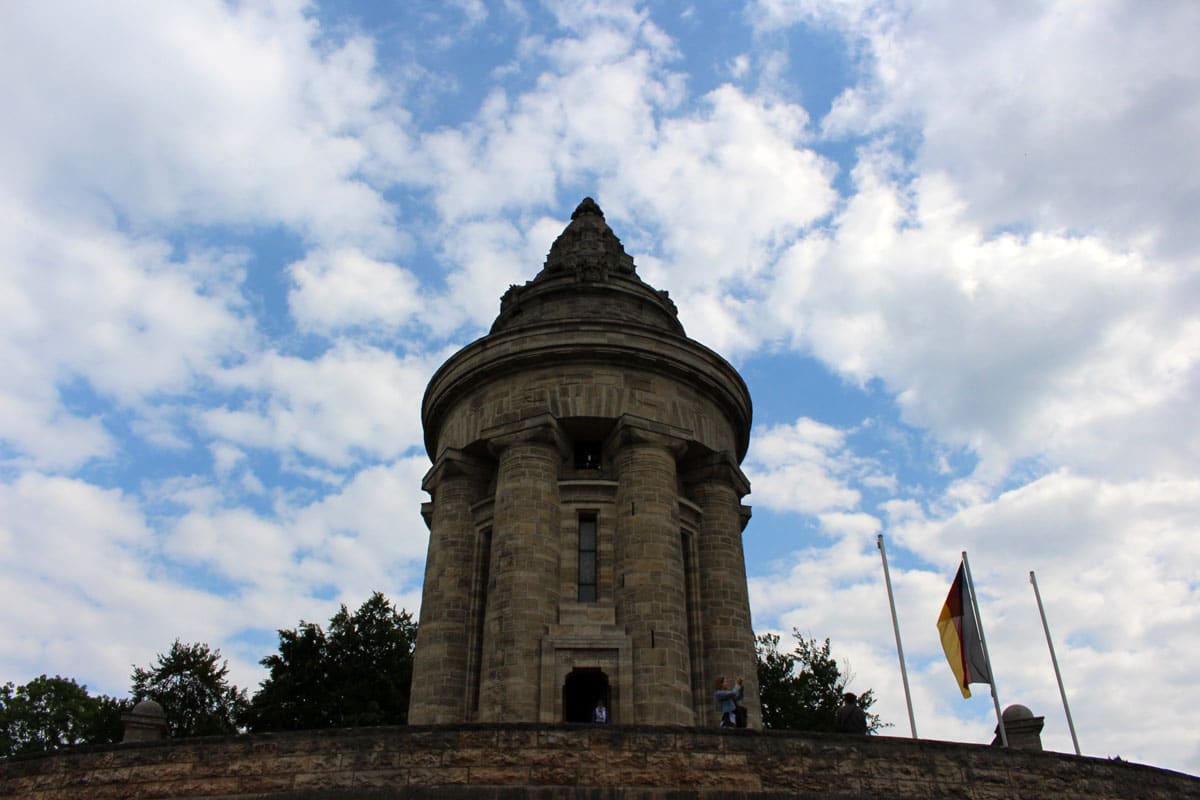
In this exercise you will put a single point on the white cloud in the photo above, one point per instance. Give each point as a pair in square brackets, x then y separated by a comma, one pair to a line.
[244, 548]
[301, 559]
[497, 163]
[345, 288]
[587, 16]
[82, 592]
[225, 457]
[491, 256]
[230, 115]
[102, 313]
[1089, 130]
[1116, 568]
[807, 467]
[739, 66]
[713, 191]
[92, 588]
[380, 509]
[518, 148]
[352, 402]
[1019, 347]
[474, 10]
[364, 534]
[724, 187]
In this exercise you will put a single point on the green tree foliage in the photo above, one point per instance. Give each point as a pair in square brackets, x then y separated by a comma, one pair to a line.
[49, 713]
[801, 690]
[357, 673]
[190, 683]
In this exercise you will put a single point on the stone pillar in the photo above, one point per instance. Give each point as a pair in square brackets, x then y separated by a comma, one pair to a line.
[146, 722]
[522, 592]
[439, 693]
[650, 590]
[717, 485]
[1021, 727]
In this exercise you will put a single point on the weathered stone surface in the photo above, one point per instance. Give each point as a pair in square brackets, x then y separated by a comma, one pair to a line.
[576, 761]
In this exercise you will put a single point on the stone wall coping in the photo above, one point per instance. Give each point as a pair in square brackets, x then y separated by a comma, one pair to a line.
[673, 732]
[497, 760]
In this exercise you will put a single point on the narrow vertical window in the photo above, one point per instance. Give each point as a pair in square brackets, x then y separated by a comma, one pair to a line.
[483, 557]
[587, 558]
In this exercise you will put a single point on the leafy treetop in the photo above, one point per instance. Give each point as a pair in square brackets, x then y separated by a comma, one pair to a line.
[356, 673]
[190, 683]
[802, 690]
[51, 713]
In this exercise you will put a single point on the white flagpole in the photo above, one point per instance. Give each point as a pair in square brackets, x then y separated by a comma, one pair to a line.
[1054, 660]
[887, 578]
[986, 657]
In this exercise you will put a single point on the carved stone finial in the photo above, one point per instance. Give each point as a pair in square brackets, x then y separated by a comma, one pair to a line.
[587, 260]
[588, 247]
[587, 206]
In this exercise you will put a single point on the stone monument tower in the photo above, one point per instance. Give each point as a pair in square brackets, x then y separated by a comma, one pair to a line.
[586, 517]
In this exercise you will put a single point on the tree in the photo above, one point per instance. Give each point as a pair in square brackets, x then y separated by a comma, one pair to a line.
[50, 713]
[190, 683]
[802, 690]
[359, 673]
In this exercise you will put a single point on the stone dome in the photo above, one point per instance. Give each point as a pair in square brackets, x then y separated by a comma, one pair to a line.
[1015, 712]
[149, 708]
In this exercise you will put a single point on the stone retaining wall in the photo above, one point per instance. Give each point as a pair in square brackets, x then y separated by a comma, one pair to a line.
[560, 761]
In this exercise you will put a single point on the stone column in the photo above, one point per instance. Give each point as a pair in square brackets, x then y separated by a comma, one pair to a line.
[650, 592]
[717, 485]
[522, 592]
[439, 691]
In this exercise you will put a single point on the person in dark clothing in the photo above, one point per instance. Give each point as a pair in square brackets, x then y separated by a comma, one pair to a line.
[850, 717]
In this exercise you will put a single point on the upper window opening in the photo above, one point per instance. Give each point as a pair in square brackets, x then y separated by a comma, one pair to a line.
[587, 455]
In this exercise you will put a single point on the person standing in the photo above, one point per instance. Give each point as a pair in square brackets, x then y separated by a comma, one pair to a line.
[850, 717]
[727, 700]
[600, 713]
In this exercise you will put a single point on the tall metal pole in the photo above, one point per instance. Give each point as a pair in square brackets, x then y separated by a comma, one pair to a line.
[1054, 660]
[887, 578]
[986, 657]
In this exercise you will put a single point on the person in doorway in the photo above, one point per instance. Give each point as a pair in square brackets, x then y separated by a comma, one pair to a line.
[600, 713]
[850, 717]
[727, 700]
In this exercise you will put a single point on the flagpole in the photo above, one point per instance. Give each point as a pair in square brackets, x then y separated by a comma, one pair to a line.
[1054, 660]
[986, 657]
[887, 578]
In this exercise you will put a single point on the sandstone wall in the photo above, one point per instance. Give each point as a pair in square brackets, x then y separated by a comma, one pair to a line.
[586, 371]
[545, 761]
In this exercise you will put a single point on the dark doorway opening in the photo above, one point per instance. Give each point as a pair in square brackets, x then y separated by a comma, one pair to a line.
[583, 687]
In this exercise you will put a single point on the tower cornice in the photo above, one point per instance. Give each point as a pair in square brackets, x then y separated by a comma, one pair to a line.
[581, 344]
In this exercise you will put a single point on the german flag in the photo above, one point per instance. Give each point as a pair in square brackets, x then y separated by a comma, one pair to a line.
[960, 636]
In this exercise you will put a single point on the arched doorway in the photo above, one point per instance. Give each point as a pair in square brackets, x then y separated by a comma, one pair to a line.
[583, 687]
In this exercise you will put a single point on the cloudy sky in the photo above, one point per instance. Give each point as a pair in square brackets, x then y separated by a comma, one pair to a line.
[952, 248]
